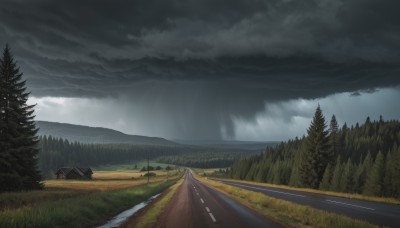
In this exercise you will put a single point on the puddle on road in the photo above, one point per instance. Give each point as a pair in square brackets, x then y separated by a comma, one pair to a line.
[123, 216]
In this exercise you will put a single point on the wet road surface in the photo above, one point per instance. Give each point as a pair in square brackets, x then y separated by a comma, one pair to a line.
[198, 205]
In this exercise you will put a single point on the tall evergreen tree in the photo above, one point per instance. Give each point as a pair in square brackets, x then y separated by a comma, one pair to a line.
[374, 183]
[392, 173]
[326, 179]
[316, 156]
[17, 130]
[347, 180]
[333, 138]
[336, 176]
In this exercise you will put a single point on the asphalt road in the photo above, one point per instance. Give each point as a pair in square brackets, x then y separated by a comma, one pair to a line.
[382, 214]
[198, 205]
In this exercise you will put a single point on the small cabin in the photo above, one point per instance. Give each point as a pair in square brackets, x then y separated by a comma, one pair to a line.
[74, 173]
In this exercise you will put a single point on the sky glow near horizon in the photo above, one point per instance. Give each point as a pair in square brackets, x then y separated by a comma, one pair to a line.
[278, 121]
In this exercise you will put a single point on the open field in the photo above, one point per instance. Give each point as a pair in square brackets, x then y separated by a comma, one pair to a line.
[207, 172]
[285, 212]
[128, 174]
[96, 185]
[79, 210]
[109, 180]
[73, 199]
[13, 200]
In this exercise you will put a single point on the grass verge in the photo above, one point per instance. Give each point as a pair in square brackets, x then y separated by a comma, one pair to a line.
[339, 194]
[149, 219]
[288, 213]
[14, 200]
[81, 211]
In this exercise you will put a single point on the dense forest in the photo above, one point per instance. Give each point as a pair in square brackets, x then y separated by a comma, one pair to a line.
[57, 152]
[208, 157]
[361, 159]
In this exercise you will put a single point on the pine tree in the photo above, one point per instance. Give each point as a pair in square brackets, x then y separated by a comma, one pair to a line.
[373, 185]
[326, 179]
[347, 180]
[392, 173]
[317, 153]
[333, 137]
[368, 120]
[389, 172]
[17, 130]
[336, 176]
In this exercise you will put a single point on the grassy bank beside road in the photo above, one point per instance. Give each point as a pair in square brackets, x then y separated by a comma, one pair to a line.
[286, 212]
[150, 217]
[76, 209]
[339, 194]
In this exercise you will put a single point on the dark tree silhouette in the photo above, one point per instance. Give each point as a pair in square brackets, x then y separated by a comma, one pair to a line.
[317, 154]
[18, 139]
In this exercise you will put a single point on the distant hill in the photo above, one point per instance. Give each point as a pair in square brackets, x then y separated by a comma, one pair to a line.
[246, 145]
[101, 135]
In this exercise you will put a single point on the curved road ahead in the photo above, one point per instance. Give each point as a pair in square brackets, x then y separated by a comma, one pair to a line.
[382, 214]
[196, 204]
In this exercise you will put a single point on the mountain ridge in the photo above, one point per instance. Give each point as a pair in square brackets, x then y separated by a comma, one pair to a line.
[86, 134]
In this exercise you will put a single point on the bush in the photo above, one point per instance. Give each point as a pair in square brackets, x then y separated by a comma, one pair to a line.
[150, 174]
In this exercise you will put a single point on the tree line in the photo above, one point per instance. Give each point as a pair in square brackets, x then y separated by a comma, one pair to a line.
[58, 152]
[362, 159]
[18, 151]
[208, 158]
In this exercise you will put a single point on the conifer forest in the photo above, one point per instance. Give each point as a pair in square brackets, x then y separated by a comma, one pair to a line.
[363, 159]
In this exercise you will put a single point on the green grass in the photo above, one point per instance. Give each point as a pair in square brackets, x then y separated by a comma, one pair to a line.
[130, 166]
[79, 211]
[285, 212]
[13, 200]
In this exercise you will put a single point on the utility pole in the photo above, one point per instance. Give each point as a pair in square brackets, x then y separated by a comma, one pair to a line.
[148, 170]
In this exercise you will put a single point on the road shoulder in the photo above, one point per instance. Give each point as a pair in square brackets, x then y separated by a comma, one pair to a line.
[285, 212]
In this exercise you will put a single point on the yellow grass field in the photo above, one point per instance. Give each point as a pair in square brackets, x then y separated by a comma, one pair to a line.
[103, 175]
[109, 180]
[205, 171]
[92, 185]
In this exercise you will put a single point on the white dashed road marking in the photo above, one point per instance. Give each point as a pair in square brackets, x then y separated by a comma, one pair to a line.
[351, 205]
[202, 201]
[263, 189]
[212, 217]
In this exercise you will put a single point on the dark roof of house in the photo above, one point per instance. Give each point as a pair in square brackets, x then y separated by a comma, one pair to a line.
[85, 169]
[79, 170]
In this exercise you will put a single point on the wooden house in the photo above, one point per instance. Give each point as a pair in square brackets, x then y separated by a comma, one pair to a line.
[74, 173]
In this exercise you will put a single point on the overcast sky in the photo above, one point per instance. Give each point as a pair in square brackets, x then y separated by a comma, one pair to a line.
[210, 69]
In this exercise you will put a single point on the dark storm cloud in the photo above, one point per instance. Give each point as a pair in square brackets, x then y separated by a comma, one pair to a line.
[236, 54]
